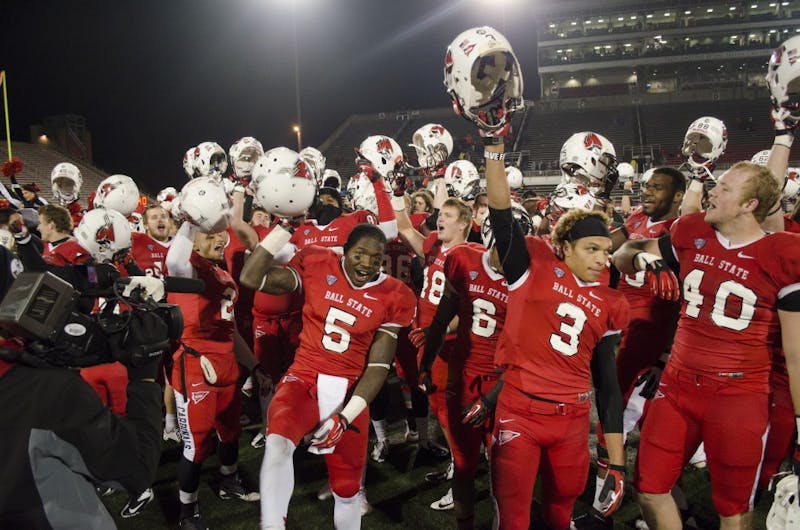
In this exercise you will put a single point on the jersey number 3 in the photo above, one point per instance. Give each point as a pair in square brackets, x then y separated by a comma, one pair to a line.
[568, 312]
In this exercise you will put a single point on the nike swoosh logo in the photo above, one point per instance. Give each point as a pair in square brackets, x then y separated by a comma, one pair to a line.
[744, 256]
[333, 229]
[595, 296]
[502, 420]
[196, 384]
[368, 297]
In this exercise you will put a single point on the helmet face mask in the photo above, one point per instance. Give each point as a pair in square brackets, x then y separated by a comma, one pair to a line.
[589, 159]
[66, 182]
[243, 155]
[210, 160]
[433, 144]
[462, 179]
[483, 77]
[703, 144]
[316, 161]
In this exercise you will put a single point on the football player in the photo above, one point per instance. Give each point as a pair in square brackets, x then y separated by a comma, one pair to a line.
[346, 346]
[740, 288]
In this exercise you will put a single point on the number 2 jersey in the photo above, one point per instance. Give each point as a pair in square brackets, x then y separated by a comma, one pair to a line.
[339, 319]
[150, 254]
[554, 321]
[729, 325]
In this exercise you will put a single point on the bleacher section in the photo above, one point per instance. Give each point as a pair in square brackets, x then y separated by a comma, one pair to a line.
[37, 163]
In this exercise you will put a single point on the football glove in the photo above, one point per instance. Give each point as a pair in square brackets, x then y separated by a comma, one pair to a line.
[479, 413]
[650, 379]
[662, 281]
[782, 120]
[330, 431]
[612, 491]
[495, 137]
[417, 337]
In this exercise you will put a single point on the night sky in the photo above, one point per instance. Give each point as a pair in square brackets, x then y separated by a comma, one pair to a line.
[153, 78]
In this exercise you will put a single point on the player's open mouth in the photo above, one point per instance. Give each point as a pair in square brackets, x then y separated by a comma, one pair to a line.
[362, 275]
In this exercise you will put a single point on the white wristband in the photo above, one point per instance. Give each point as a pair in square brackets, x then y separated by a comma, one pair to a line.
[398, 203]
[492, 155]
[786, 140]
[695, 186]
[797, 424]
[275, 240]
[354, 407]
[643, 258]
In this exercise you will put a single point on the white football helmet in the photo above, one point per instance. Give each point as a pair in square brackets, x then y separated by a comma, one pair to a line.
[104, 234]
[785, 510]
[568, 196]
[433, 144]
[362, 193]
[117, 192]
[483, 77]
[514, 177]
[520, 215]
[210, 160]
[284, 183]
[791, 189]
[461, 178]
[315, 160]
[589, 159]
[625, 171]
[761, 157]
[135, 221]
[331, 174]
[783, 78]
[189, 162]
[66, 181]
[168, 194]
[704, 142]
[243, 155]
[383, 153]
[204, 203]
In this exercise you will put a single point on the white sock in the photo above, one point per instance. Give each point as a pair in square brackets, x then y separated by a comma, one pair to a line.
[347, 512]
[598, 485]
[276, 481]
[170, 422]
[380, 429]
[186, 497]
[422, 428]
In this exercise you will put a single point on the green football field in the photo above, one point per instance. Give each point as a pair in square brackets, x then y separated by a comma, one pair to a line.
[396, 489]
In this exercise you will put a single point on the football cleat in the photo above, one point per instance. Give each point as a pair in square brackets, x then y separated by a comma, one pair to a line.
[171, 436]
[411, 435]
[259, 441]
[325, 492]
[437, 477]
[445, 503]
[439, 451]
[231, 487]
[135, 505]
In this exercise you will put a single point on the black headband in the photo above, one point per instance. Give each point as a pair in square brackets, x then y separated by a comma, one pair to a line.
[587, 227]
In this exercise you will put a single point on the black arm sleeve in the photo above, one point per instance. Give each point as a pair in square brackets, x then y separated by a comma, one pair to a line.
[430, 221]
[665, 246]
[31, 257]
[510, 243]
[435, 335]
[133, 269]
[608, 394]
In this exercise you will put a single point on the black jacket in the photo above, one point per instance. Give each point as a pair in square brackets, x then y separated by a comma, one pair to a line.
[58, 439]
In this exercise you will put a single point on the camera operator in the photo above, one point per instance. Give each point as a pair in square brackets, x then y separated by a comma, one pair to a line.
[60, 440]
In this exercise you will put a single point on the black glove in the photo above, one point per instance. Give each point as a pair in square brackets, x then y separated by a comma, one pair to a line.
[651, 378]
[612, 491]
[425, 383]
[479, 412]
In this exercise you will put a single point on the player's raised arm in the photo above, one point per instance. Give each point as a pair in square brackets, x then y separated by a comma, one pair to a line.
[260, 274]
[180, 251]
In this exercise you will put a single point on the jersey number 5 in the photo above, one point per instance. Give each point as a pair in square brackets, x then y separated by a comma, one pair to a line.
[336, 338]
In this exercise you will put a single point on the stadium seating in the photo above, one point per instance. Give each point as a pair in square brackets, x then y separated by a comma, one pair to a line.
[38, 161]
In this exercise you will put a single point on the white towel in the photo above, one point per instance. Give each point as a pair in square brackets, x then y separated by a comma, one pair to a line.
[331, 391]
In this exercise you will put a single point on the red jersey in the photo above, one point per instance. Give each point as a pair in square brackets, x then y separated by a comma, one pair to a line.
[150, 254]
[76, 211]
[639, 295]
[68, 252]
[780, 376]
[555, 321]
[208, 318]
[341, 322]
[334, 234]
[790, 225]
[728, 325]
[235, 254]
[433, 288]
[483, 295]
